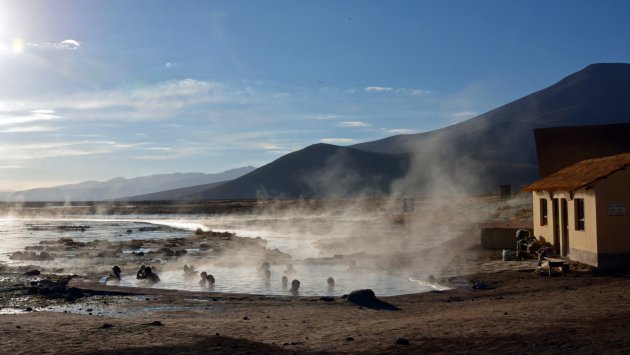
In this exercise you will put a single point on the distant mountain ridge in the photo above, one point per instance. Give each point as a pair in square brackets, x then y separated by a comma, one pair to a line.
[473, 156]
[120, 187]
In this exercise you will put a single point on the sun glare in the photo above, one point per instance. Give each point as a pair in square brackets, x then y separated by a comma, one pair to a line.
[17, 45]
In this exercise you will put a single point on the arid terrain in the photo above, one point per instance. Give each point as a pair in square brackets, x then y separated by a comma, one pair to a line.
[494, 306]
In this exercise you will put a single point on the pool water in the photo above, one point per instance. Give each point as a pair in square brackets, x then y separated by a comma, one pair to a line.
[313, 281]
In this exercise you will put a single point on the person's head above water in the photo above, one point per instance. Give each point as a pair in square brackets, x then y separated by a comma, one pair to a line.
[295, 285]
[331, 282]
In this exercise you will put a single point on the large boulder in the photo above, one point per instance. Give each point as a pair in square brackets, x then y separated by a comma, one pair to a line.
[366, 298]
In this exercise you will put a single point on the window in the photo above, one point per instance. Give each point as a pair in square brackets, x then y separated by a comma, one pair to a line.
[579, 214]
[543, 212]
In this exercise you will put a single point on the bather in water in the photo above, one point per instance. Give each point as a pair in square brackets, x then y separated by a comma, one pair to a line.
[115, 277]
[203, 280]
[189, 271]
[285, 283]
[210, 281]
[295, 285]
[141, 274]
[331, 284]
[150, 276]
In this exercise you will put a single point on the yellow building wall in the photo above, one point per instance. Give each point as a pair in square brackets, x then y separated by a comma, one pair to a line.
[546, 232]
[613, 230]
[605, 240]
[583, 244]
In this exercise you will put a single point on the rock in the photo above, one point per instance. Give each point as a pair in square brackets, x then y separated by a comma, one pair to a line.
[156, 323]
[480, 286]
[349, 339]
[367, 298]
[107, 325]
[402, 341]
[32, 273]
[327, 299]
[28, 309]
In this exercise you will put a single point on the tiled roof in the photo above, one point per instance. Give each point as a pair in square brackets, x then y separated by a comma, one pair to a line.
[581, 174]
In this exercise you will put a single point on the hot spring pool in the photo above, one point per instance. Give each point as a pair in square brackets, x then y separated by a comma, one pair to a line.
[313, 281]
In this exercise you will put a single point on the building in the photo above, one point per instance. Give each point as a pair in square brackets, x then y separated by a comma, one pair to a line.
[560, 147]
[582, 211]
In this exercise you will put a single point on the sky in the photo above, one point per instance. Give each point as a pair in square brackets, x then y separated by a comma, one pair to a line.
[92, 90]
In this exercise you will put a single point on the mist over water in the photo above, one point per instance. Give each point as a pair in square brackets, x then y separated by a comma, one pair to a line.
[321, 243]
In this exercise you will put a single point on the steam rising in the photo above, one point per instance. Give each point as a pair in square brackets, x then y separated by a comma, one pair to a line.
[369, 230]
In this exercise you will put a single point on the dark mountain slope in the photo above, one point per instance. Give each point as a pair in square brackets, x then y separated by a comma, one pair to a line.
[498, 146]
[315, 171]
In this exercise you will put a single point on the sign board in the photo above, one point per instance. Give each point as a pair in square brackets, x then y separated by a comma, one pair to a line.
[616, 209]
[408, 205]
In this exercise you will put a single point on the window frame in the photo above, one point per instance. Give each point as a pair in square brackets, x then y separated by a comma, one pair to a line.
[544, 212]
[579, 213]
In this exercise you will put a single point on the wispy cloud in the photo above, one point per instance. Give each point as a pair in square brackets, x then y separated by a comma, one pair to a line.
[401, 131]
[68, 44]
[404, 91]
[378, 89]
[170, 65]
[28, 129]
[31, 151]
[338, 141]
[20, 117]
[353, 124]
[167, 99]
[417, 92]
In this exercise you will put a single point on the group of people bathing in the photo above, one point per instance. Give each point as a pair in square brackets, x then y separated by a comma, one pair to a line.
[206, 279]
[144, 273]
[265, 272]
[150, 277]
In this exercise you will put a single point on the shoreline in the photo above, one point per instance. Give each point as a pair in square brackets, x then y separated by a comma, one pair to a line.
[518, 312]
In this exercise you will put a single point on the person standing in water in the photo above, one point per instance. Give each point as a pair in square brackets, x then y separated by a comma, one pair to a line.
[285, 282]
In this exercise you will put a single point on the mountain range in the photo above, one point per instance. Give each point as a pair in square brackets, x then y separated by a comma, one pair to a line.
[473, 156]
[120, 187]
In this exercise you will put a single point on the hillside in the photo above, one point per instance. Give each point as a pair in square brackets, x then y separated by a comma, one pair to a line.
[498, 147]
[474, 156]
[320, 170]
[121, 187]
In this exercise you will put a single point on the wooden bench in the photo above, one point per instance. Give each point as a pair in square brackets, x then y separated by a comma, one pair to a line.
[555, 263]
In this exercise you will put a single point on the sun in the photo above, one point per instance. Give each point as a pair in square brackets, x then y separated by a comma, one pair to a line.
[17, 45]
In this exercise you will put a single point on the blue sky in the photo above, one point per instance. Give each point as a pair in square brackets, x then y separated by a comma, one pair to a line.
[91, 90]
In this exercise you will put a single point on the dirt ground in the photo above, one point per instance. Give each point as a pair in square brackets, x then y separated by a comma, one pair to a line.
[515, 310]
